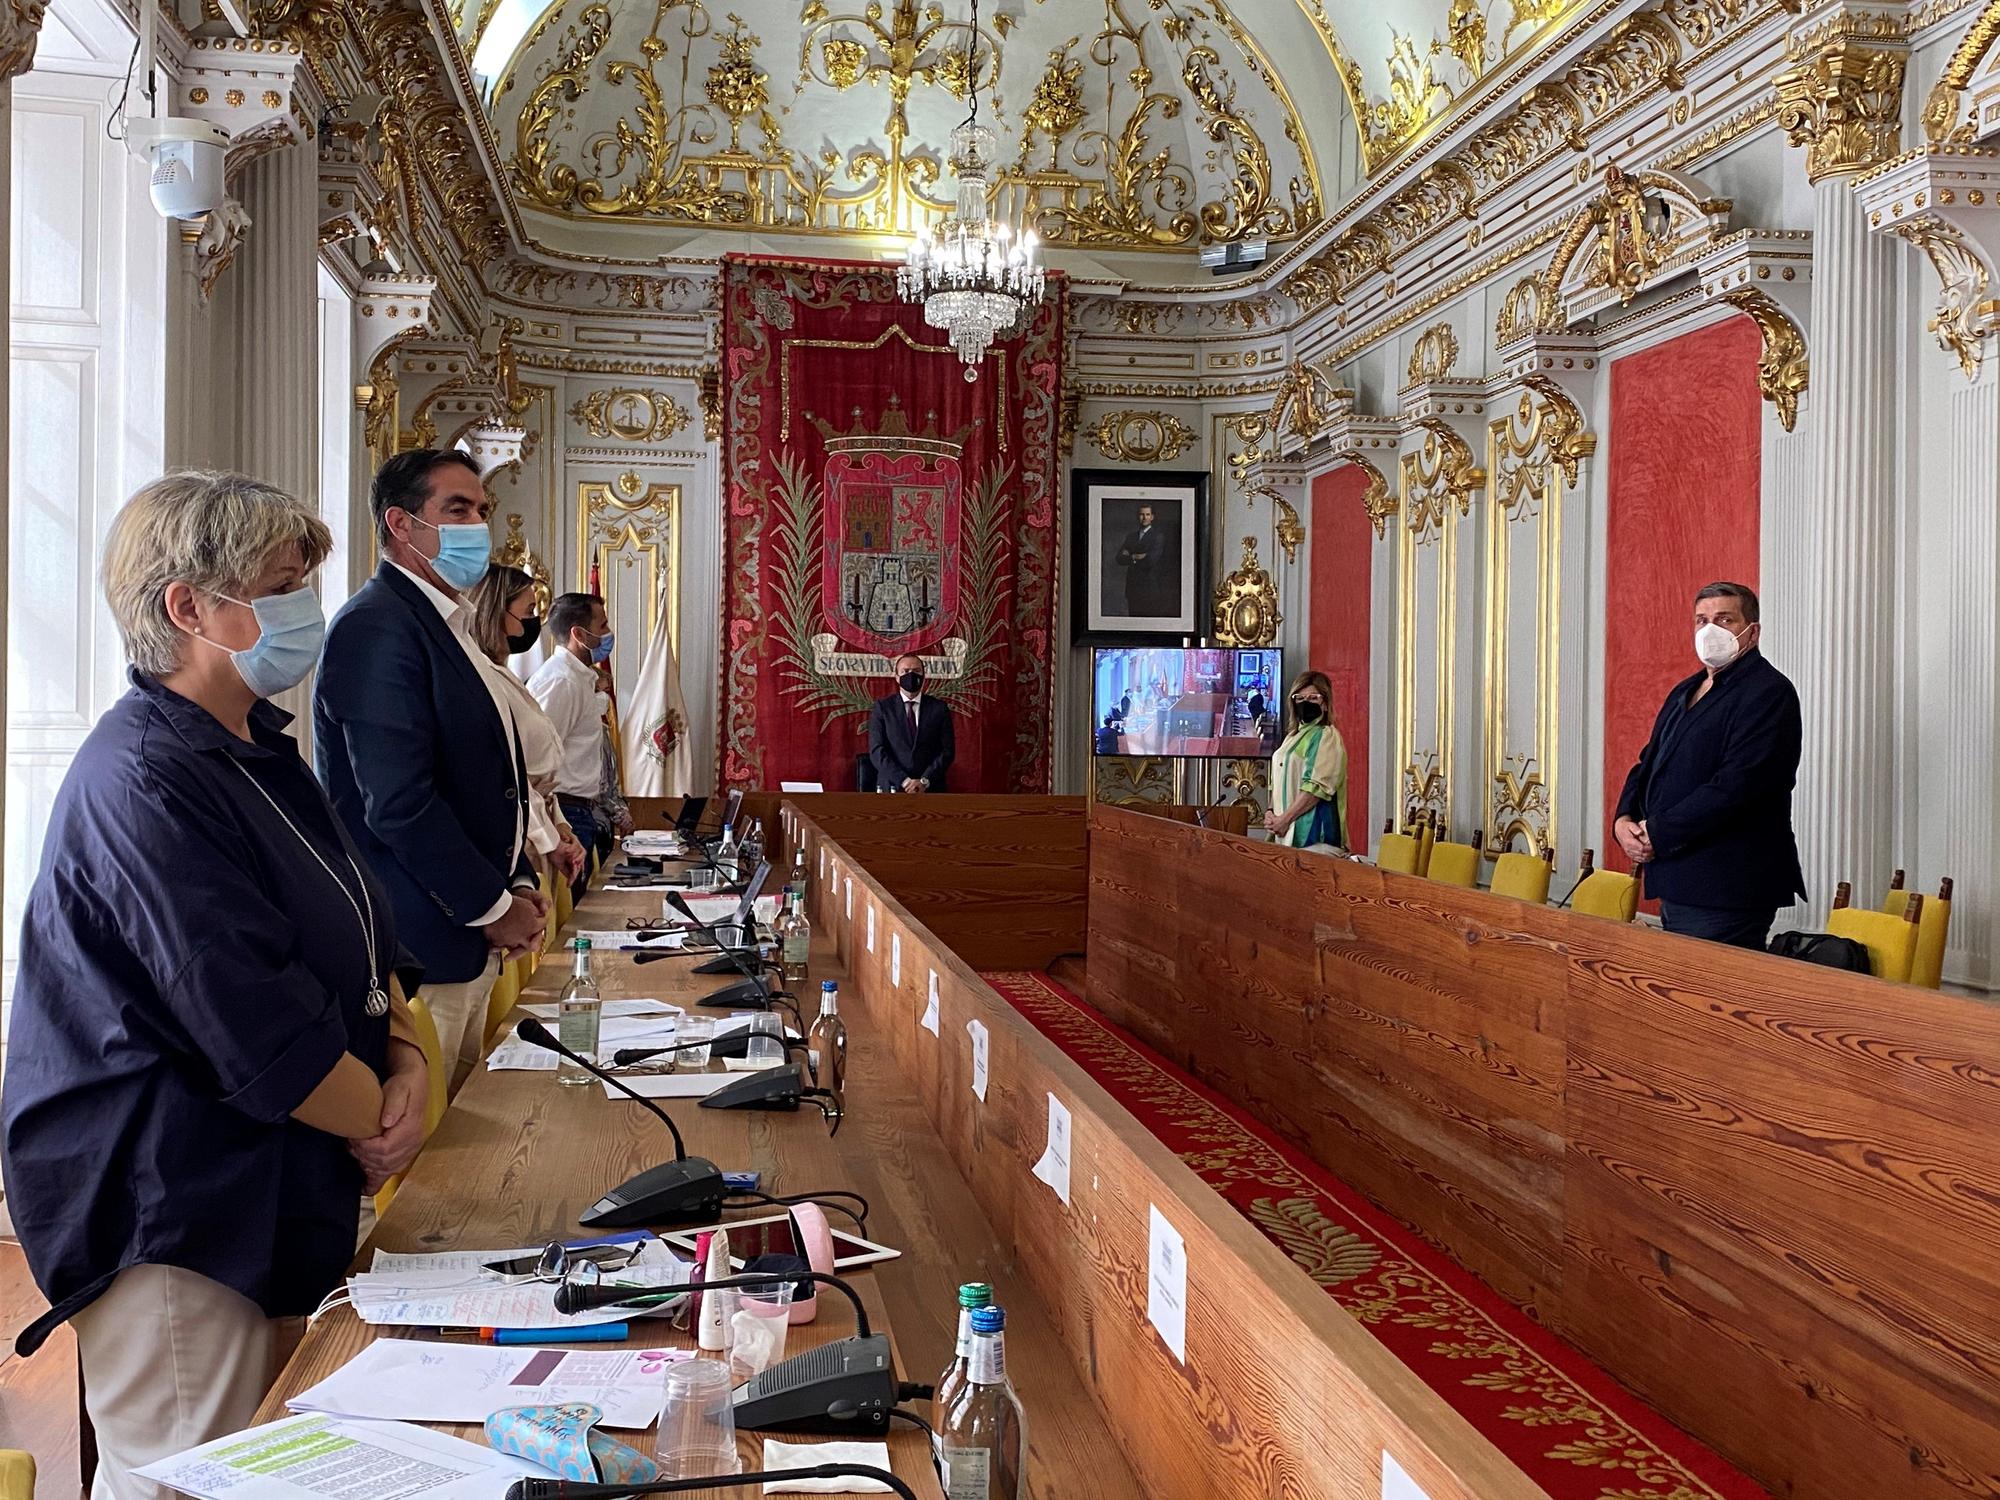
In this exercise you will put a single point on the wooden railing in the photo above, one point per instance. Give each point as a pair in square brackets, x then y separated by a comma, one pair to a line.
[1281, 1393]
[1765, 1195]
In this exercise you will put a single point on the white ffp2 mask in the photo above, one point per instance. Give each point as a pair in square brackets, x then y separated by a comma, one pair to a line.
[1717, 646]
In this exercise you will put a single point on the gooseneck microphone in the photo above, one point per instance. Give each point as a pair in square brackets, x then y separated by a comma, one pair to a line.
[688, 1189]
[847, 1387]
[572, 1489]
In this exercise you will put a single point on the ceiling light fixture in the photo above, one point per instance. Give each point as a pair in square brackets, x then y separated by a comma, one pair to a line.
[974, 276]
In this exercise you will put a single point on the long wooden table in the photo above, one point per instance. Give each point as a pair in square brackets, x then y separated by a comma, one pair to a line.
[518, 1156]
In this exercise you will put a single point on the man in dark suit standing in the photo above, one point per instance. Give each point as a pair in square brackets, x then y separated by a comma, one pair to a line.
[909, 734]
[1152, 582]
[419, 753]
[1707, 811]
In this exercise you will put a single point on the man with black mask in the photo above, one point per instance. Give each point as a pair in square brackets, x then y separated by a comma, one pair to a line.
[910, 734]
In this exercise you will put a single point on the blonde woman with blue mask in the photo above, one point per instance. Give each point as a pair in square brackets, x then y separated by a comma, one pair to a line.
[1309, 770]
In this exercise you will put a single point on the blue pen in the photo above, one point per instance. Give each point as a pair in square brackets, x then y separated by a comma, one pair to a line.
[590, 1333]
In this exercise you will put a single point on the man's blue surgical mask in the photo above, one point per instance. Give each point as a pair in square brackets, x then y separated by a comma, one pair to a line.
[601, 652]
[463, 552]
[290, 628]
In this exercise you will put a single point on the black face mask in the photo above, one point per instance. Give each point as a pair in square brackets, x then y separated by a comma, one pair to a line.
[1308, 713]
[912, 682]
[522, 639]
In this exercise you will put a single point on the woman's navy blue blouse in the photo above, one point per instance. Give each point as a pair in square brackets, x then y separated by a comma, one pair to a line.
[189, 973]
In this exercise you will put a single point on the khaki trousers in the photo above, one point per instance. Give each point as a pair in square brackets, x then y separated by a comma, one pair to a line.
[172, 1360]
[460, 1013]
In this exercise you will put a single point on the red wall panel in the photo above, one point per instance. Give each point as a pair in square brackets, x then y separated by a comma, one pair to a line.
[1686, 461]
[1343, 543]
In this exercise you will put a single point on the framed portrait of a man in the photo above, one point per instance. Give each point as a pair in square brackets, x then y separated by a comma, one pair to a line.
[1140, 541]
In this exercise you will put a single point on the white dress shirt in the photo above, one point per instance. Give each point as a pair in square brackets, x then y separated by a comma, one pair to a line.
[454, 614]
[567, 690]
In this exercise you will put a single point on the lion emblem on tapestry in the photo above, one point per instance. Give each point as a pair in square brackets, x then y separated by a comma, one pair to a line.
[878, 503]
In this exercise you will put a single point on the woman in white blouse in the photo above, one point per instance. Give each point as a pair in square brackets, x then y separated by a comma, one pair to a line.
[505, 623]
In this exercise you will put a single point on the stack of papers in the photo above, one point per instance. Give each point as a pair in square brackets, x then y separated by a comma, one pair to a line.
[651, 1029]
[315, 1456]
[412, 1381]
[619, 938]
[654, 843]
[455, 1290]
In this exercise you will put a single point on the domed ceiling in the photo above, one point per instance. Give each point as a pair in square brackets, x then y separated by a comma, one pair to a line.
[644, 128]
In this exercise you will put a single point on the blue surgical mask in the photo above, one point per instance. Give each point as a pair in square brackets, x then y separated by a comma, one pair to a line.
[463, 552]
[601, 652]
[290, 628]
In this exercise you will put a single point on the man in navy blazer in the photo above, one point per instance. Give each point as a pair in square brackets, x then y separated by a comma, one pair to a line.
[910, 735]
[418, 750]
[1707, 811]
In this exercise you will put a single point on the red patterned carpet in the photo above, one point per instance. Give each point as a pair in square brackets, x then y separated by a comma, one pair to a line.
[1563, 1421]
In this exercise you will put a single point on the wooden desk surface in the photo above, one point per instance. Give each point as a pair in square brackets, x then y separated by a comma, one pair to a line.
[517, 1157]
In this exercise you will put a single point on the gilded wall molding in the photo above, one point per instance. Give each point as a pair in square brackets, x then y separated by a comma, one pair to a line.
[1945, 201]
[1782, 369]
[20, 30]
[631, 413]
[1843, 104]
[1433, 355]
[1246, 603]
[1944, 117]
[1140, 437]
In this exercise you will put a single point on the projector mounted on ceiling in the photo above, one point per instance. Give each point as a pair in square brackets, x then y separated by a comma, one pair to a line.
[1233, 258]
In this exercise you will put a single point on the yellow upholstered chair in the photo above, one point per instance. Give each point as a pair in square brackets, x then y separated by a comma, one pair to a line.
[1891, 941]
[1605, 893]
[17, 1475]
[506, 995]
[1933, 929]
[1397, 851]
[565, 907]
[1525, 877]
[549, 931]
[434, 1095]
[1427, 837]
[1456, 864]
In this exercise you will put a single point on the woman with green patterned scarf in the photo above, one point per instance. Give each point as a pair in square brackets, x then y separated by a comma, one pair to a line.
[1309, 772]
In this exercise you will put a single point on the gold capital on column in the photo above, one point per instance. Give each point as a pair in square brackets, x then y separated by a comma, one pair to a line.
[1844, 105]
[20, 29]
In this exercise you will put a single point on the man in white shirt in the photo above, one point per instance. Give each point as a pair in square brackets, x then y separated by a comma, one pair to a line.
[417, 750]
[566, 686]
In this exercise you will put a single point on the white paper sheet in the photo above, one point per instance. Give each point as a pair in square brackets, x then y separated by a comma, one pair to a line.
[980, 1041]
[713, 908]
[669, 1085]
[822, 861]
[800, 786]
[453, 1290]
[1396, 1485]
[931, 1007]
[651, 843]
[895, 958]
[849, 879]
[623, 938]
[613, 1032]
[612, 1009]
[780, 1455]
[1053, 1168]
[871, 927]
[1166, 1282]
[315, 1455]
[413, 1380]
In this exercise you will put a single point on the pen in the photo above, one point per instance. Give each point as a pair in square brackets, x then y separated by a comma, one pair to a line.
[592, 1333]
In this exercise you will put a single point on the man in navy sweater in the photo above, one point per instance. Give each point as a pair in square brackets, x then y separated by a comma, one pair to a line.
[1706, 814]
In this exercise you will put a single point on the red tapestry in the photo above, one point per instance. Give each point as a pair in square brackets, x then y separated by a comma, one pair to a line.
[878, 502]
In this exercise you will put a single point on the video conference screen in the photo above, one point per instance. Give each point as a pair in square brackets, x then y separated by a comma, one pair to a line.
[1168, 701]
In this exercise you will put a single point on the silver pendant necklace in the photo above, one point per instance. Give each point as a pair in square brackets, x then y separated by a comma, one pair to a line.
[377, 1001]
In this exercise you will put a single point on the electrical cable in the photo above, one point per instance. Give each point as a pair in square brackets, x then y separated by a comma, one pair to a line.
[860, 1219]
[117, 115]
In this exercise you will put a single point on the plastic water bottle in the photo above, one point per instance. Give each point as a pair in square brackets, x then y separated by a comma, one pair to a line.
[579, 1010]
[985, 1436]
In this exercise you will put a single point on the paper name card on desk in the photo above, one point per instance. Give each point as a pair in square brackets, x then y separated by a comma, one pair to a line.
[980, 1043]
[613, 1031]
[618, 938]
[425, 1381]
[613, 1009]
[931, 1007]
[1396, 1484]
[849, 882]
[312, 1456]
[713, 908]
[1166, 1282]
[896, 958]
[670, 1085]
[800, 786]
[1053, 1168]
[871, 927]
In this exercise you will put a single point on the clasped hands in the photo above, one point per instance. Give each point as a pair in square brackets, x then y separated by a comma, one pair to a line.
[518, 930]
[402, 1134]
[1633, 839]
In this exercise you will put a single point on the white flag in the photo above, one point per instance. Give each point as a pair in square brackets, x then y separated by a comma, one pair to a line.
[659, 761]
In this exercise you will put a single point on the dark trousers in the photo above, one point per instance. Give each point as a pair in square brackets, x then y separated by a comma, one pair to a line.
[582, 819]
[1719, 924]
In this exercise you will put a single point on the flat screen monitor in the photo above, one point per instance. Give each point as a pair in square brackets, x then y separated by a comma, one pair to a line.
[1216, 702]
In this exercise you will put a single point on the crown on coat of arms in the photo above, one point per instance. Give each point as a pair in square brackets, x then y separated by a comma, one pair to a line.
[893, 434]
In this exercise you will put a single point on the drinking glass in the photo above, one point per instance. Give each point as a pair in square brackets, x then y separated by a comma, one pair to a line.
[695, 1032]
[697, 1433]
[764, 1049]
[757, 1329]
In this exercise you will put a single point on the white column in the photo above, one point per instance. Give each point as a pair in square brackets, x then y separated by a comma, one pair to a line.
[1842, 105]
[274, 286]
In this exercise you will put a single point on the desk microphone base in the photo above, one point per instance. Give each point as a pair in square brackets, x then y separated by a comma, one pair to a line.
[678, 1192]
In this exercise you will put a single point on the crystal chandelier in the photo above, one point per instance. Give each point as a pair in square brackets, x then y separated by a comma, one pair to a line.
[973, 275]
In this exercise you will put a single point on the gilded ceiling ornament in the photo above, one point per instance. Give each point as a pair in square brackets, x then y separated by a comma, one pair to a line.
[1140, 437]
[1563, 433]
[842, 58]
[630, 413]
[1378, 501]
[215, 247]
[1465, 35]
[1304, 403]
[1434, 355]
[1782, 372]
[1944, 120]
[1246, 209]
[20, 30]
[1844, 105]
[1639, 48]
[1246, 603]
[735, 85]
[1056, 106]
